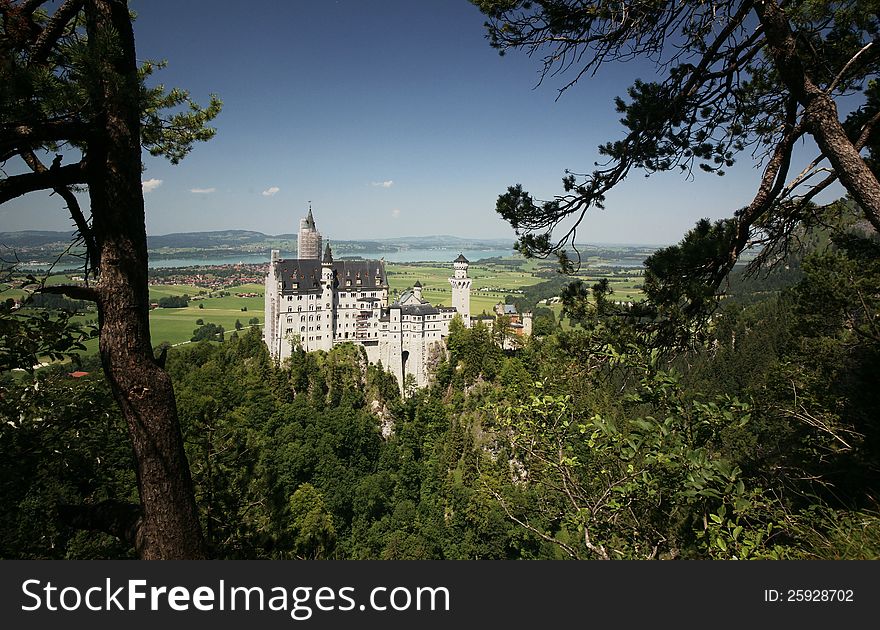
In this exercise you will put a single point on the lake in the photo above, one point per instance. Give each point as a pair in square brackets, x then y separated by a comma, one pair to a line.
[402, 256]
[436, 255]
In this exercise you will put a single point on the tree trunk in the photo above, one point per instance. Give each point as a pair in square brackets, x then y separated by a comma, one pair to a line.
[820, 112]
[170, 526]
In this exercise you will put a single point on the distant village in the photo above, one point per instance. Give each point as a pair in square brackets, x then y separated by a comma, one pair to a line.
[212, 278]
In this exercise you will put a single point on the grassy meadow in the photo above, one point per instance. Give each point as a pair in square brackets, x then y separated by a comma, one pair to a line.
[176, 325]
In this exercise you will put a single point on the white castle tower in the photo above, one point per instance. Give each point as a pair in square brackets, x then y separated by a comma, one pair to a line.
[461, 289]
[328, 301]
[309, 242]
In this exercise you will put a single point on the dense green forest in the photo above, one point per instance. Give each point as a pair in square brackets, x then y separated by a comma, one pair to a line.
[754, 435]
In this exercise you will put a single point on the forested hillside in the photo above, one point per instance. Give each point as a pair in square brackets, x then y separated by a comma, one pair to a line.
[756, 438]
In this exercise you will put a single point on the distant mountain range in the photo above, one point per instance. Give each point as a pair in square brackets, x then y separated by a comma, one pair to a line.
[236, 239]
[33, 238]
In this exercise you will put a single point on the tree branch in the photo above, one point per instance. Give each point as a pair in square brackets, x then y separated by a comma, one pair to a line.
[76, 213]
[846, 67]
[14, 135]
[53, 31]
[571, 551]
[73, 291]
[19, 185]
[808, 172]
[122, 520]
[820, 112]
[29, 6]
[772, 183]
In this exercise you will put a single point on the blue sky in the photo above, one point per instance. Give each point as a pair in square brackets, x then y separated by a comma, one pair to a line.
[393, 117]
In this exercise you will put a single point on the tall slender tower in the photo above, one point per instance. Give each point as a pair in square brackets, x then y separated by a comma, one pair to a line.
[461, 289]
[326, 310]
[310, 241]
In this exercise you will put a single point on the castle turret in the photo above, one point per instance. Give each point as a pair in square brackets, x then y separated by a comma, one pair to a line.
[326, 315]
[417, 290]
[461, 289]
[527, 323]
[309, 242]
[272, 298]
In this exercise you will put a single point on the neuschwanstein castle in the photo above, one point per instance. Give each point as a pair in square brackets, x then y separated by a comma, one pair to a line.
[316, 302]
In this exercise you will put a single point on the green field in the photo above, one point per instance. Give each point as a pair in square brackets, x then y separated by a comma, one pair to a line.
[491, 283]
[176, 325]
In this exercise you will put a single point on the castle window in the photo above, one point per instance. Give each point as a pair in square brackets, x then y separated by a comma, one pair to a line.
[302, 318]
[302, 328]
[295, 285]
[348, 283]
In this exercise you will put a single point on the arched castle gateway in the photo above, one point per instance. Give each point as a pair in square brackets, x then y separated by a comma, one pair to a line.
[317, 304]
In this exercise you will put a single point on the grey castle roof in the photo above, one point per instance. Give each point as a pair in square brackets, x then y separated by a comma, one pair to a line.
[418, 309]
[306, 274]
[417, 284]
[328, 254]
[461, 258]
[406, 295]
[310, 220]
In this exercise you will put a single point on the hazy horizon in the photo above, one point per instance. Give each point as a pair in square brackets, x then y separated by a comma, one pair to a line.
[467, 239]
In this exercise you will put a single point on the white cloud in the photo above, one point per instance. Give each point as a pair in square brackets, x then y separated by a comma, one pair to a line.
[270, 191]
[388, 183]
[150, 185]
[395, 213]
[202, 191]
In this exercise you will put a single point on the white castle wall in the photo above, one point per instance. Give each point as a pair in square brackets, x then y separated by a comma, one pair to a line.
[343, 310]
